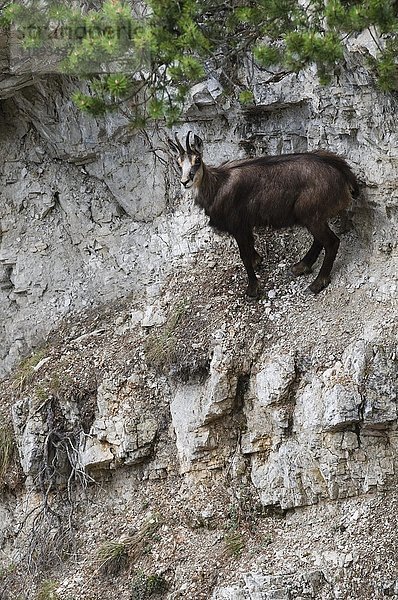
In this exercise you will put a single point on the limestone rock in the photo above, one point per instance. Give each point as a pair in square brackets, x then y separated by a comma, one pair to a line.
[153, 317]
[330, 433]
[301, 411]
[95, 454]
[342, 402]
[30, 434]
[274, 378]
[195, 407]
[269, 405]
[257, 586]
[206, 93]
[381, 389]
[128, 435]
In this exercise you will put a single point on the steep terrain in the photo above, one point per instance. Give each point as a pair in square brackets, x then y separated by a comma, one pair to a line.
[173, 438]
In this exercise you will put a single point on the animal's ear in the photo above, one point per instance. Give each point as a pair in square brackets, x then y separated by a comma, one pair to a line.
[197, 145]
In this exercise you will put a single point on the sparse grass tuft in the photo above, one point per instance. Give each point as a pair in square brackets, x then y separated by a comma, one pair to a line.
[234, 544]
[41, 393]
[160, 346]
[112, 557]
[6, 571]
[7, 449]
[47, 590]
[26, 370]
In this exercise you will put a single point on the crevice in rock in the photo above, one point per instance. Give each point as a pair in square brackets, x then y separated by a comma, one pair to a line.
[357, 431]
[242, 387]
[6, 272]
[289, 401]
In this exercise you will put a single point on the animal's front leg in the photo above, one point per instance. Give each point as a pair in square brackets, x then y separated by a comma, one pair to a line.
[304, 266]
[245, 243]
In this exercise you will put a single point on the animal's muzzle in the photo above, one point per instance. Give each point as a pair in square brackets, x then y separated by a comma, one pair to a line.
[186, 183]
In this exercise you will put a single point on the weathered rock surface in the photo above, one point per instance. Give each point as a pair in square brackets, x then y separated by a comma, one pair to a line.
[189, 399]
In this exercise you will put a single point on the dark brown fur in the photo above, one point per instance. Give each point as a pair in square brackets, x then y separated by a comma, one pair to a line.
[278, 191]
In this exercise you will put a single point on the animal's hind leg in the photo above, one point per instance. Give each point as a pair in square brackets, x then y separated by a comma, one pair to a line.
[304, 266]
[324, 236]
[245, 243]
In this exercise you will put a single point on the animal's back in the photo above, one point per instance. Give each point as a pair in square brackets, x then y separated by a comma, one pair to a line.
[291, 188]
[342, 166]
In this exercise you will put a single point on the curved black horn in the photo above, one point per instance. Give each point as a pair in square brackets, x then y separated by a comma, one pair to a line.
[187, 143]
[179, 145]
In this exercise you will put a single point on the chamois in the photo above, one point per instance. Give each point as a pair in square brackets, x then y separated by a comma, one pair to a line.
[277, 191]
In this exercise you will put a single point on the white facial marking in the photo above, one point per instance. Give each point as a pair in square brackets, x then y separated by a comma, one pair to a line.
[186, 166]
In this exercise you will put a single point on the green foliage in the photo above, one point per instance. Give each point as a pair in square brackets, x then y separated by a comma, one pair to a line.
[47, 590]
[160, 346]
[117, 85]
[26, 370]
[234, 544]
[267, 55]
[93, 105]
[147, 586]
[150, 56]
[246, 97]
[387, 71]
[112, 556]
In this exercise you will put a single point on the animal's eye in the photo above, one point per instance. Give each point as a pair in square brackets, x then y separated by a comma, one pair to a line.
[197, 160]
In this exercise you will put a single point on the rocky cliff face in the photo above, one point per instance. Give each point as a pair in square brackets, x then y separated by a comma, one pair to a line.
[173, 437]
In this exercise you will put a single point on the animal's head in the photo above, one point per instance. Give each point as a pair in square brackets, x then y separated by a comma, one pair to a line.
[189, 160]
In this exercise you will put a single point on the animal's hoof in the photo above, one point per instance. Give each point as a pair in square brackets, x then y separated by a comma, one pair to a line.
[253, 293]
[300, 268]
[318, 285]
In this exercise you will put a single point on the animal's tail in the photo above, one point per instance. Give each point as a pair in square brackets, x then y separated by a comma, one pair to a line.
[340, 164]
